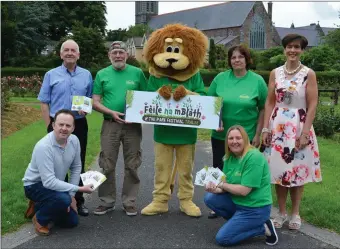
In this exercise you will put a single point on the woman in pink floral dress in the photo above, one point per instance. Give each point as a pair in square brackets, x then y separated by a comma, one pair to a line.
[289, 141]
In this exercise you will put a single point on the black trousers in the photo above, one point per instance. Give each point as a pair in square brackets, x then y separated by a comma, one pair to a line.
[80, 130]
[218, 150]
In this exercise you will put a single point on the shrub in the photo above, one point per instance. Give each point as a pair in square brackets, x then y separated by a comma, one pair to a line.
[22, 86]
[5, 94]
[326, 80]
[326, 122]
[132, 61]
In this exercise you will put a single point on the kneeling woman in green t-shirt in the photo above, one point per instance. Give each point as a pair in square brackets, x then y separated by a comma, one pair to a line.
[245, 197]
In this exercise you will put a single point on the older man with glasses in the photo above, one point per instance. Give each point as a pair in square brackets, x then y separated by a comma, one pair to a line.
[110, 86]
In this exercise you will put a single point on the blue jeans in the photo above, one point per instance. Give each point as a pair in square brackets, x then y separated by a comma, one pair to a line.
[243, 222]
[51, 205]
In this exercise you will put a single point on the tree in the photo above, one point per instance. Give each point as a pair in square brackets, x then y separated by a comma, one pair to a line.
[332, 39]
[138, 30]
[93, 53]
[264, 56]
[66, 13]
[320, 58]
[212, 54]
[24, 29]
[117, 35]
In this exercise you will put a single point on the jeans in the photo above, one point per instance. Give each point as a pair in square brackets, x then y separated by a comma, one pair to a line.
[243, 222]
[51, 205]
[80, 130]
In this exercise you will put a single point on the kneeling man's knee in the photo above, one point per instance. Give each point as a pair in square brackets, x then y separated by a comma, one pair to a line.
[63, 200]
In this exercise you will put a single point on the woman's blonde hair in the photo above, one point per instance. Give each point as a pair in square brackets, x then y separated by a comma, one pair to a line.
[247, 145]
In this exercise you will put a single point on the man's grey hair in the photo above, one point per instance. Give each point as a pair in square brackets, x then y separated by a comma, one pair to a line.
[69, 40]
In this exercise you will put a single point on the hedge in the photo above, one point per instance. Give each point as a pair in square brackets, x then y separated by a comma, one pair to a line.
[326, 80]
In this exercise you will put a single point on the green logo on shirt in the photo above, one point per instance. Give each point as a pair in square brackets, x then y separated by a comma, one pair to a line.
[243, 96]
[238, 173]
[130, 82]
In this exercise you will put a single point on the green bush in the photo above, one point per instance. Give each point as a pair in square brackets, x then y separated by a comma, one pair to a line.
[326, 122]
[326, 80]
[23, 86]
[5, 93]
[133, 61]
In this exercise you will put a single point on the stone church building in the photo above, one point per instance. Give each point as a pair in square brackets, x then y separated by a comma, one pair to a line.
[227, 23]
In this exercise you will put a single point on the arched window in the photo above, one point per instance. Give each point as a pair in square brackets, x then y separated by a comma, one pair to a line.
[257, 35]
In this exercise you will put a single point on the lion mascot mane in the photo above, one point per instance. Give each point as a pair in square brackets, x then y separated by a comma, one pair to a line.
[174, 55]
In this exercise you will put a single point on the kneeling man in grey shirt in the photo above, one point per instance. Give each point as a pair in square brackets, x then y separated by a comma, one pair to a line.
[51, 198]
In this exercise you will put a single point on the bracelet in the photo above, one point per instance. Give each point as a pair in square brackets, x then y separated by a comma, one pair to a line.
[265, 130]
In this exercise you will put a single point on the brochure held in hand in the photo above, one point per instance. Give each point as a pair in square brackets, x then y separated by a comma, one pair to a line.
[82, 103]
[209, 174]
[93, 177]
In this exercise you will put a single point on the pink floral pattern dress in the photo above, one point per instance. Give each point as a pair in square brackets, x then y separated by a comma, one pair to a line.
[289, 166]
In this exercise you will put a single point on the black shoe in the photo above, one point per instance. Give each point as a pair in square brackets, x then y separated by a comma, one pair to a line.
[273, 238]
[82, 210]
[212, 215]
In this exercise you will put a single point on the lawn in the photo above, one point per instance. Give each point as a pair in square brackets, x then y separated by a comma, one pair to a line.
[16, 154]
[320, 203]
[24, 99]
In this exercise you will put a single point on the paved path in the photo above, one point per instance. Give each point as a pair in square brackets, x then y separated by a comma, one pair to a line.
[170, 230]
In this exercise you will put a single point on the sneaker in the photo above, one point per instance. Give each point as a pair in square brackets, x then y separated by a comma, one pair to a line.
[82, 210]
[130, 211]
[103, 210]
[212, 215]
[271, 239]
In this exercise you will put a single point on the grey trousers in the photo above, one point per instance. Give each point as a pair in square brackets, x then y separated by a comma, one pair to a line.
[130, 136]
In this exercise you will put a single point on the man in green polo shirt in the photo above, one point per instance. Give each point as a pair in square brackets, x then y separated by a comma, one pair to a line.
[109, 92]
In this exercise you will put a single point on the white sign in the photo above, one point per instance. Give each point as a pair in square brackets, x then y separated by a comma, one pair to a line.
[191, 111]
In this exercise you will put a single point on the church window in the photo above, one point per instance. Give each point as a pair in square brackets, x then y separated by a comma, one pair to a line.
[257, 33]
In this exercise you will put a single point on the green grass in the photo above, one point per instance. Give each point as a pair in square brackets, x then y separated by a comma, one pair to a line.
[16, 154]
[25, 99]
[204, 134]
[320, 202]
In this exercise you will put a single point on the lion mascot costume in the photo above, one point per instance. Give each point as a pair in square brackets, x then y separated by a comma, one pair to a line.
[174, 55]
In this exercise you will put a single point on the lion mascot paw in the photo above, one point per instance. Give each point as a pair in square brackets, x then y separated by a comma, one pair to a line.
[174, 55]
[165, 92]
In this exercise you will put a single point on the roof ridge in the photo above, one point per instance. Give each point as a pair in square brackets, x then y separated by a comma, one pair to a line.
[192, 8]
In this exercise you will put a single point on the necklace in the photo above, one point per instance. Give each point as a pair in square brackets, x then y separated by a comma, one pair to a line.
[291, 72]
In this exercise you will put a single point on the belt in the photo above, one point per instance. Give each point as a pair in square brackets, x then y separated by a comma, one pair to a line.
[109, 119]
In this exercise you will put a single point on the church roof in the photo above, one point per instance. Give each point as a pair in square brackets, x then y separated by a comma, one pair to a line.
[310, 32]
[224, 15]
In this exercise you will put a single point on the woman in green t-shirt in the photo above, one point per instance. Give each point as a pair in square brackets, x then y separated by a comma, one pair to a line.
[244, 95]
[245, 197]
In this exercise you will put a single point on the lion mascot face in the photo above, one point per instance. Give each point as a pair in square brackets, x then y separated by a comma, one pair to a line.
[175, 51]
